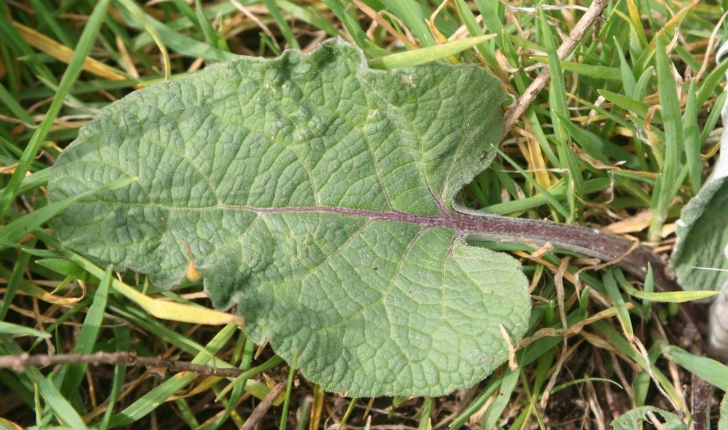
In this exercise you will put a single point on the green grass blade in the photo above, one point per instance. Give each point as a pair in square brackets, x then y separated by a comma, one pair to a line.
[692, 140]
[351, 24]
[626, 103]
[475, 406]
[74, 69]
[210, 34]
[425, 55]
[557, 105]
[583, 69]
[60, 405]
[411, 13]
[150, 401]
[495, 410]
[237, 391]
[13, 106]
[705, 368]
[122, 345]
[474, 29]
[19, 330]
[618, 341]
[669, 296]
[712, 83]
[182, 44]
[558, 206]
[425, 413]
[616, 297]
[287, 399]
[308, 15]
[628, 80]
[282, 24]
[90, 330]
[713, 117]
[667, 90]
[15, 280]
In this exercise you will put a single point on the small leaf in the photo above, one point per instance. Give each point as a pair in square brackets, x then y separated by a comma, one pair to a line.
[633, 419]
[316, 194]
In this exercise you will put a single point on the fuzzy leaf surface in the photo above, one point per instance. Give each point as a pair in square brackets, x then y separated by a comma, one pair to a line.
[317, 195]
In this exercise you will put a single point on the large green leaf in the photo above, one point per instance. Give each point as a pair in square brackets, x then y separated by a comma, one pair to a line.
[317, 194]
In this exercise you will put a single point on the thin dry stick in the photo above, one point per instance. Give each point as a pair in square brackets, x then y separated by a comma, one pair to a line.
[580, 29]
[263, 407]
[20, 362]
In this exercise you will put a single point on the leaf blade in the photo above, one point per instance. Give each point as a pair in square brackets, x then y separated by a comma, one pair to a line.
[324, 210]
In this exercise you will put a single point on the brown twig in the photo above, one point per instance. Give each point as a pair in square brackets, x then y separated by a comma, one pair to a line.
[20, 362]
[580, 29]
[263, 407]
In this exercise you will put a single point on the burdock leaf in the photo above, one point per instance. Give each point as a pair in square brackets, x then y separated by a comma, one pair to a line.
[316, 194]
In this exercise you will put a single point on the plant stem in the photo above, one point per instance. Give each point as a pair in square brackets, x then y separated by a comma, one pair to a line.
[587, 241]
[20, 362]
[582, 240]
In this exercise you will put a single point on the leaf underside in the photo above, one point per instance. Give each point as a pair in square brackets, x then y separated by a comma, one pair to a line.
[311, 191]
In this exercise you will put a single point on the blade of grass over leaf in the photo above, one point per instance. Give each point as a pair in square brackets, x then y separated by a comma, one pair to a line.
[16, 230]
[158, 308]
[417, 57]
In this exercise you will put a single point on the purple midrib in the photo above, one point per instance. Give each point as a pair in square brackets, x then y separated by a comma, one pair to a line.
[583, 240]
